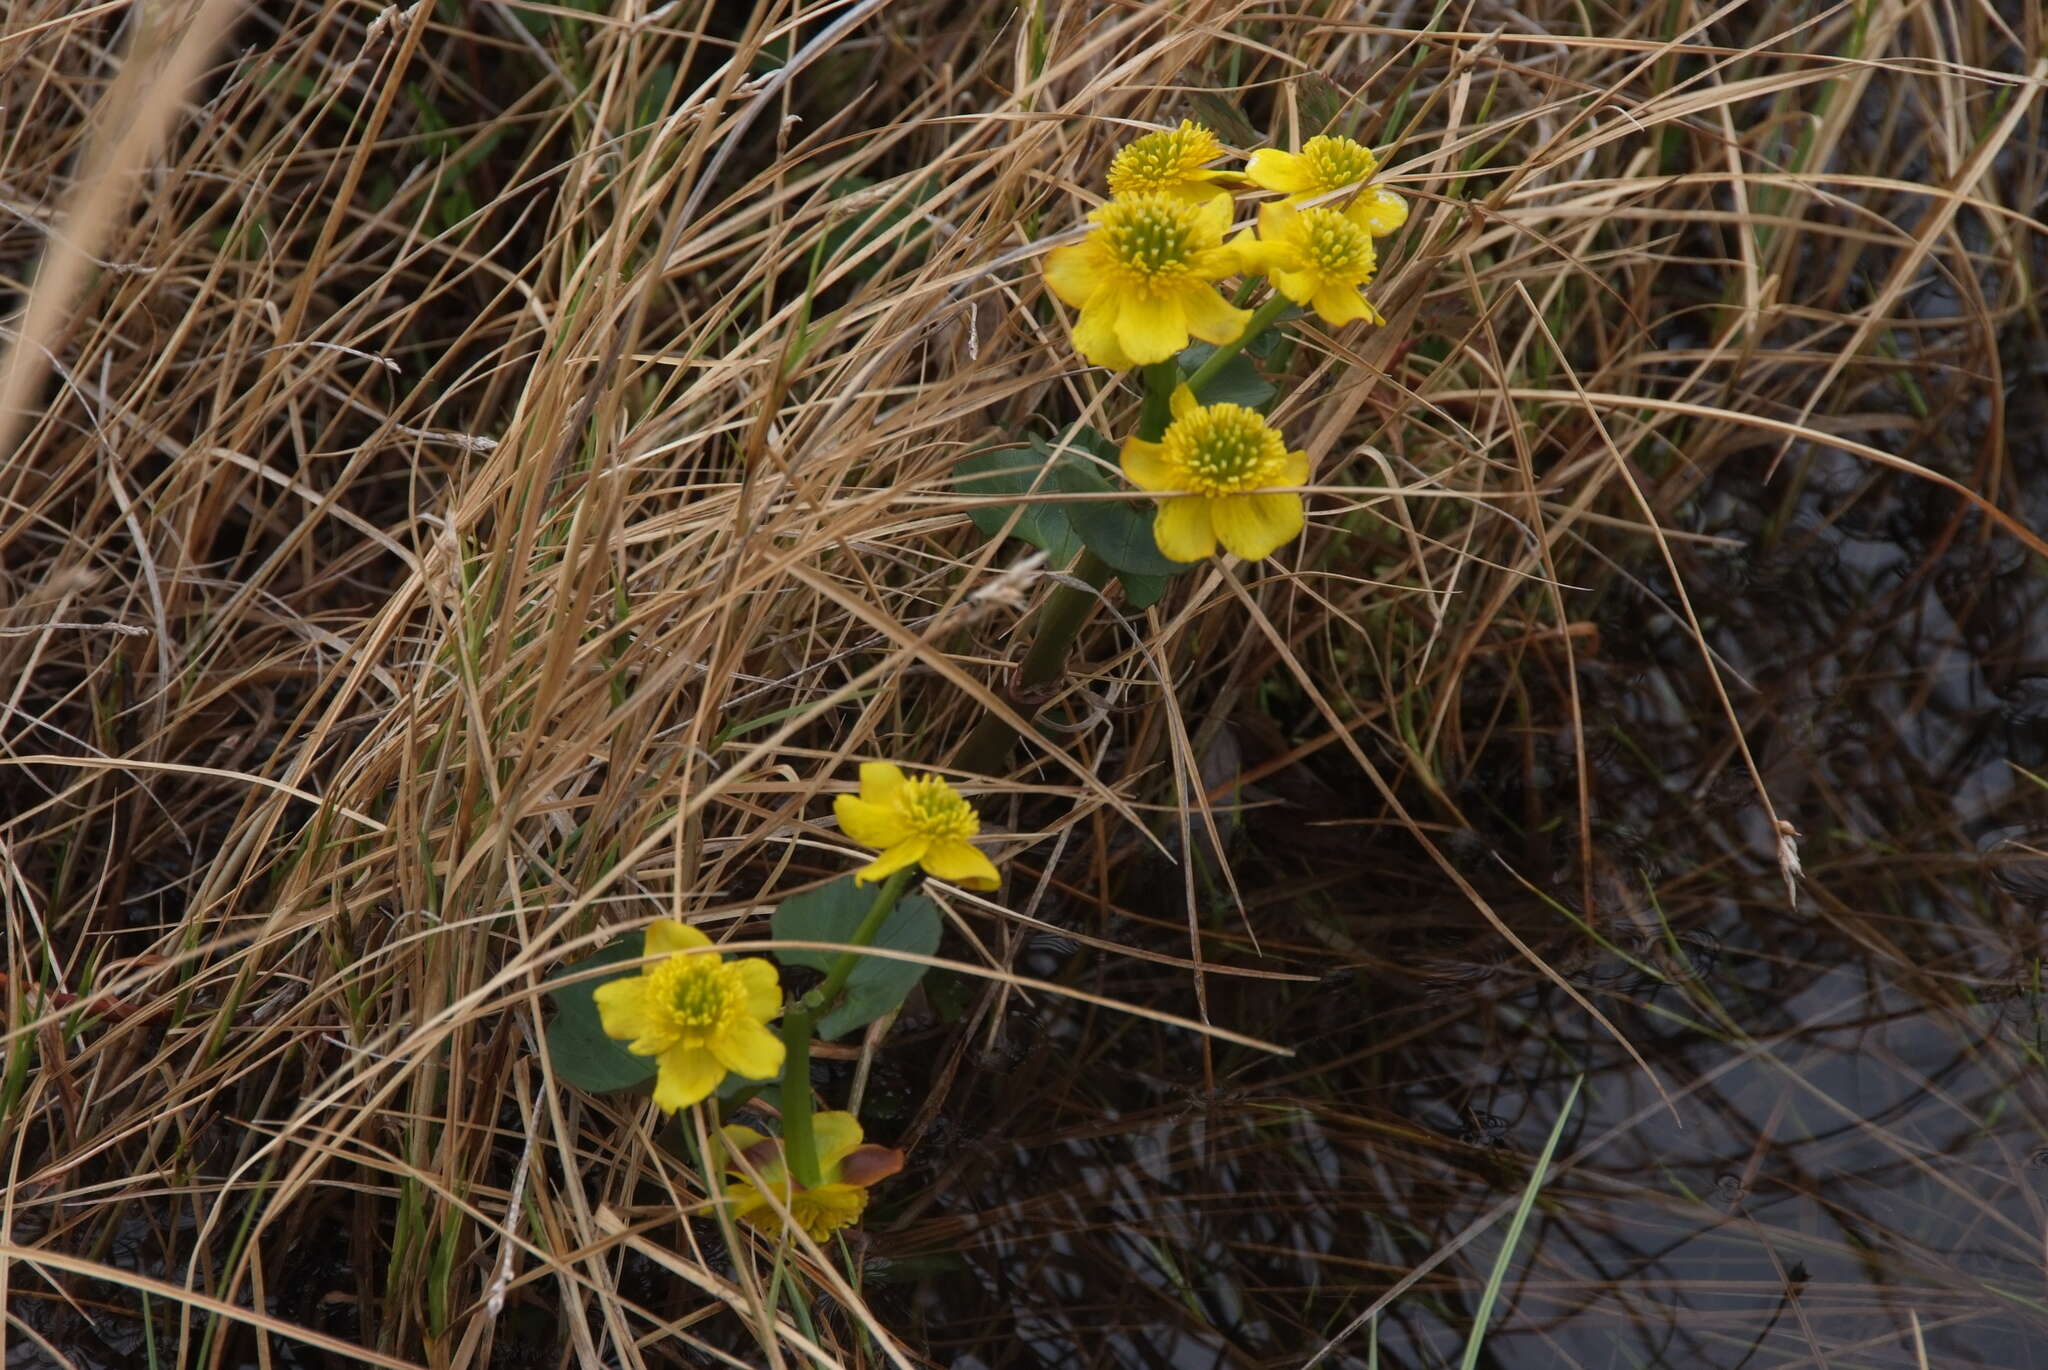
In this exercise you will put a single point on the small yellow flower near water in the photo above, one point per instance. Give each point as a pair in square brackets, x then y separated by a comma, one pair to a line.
[1317, 257]
[1170, 162]
[1324, 164]
[699, 1014]
[847, 1168]
[1145, 279]
[1221, 460]
[914, 821]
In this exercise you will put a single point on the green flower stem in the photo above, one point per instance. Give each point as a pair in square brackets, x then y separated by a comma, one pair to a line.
[799, 1136]
[987, 748]
[1262, 319]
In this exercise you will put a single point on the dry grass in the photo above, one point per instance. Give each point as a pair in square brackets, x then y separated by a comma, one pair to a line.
[483, 478]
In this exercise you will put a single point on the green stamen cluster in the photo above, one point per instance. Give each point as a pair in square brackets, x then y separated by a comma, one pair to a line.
[936, 812]
[1149, 236]
[1225, 449]
[1336, 245]
[1162, 160]
[1337, 162]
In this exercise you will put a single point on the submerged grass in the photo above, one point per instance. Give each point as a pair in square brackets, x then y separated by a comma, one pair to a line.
[480, 477]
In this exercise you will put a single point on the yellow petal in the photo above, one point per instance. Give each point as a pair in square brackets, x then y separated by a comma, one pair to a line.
[1182, 401]
[748, 1203]
[666, 937]
[961, 862]
[870, 1165]
[837, 1134]
[870, 824]
[1182, 529]
[1212, 221]
[1298, 286]
[763, 986]
[622, 1008]
[1255, 258]
[1272, 169]
[1378, 212]
[1256, 526]
[1294, 471]
[1145, 464]
[1150, 328]
[1201, 190]
[1074, 272]
[1278, 222]
[1210, 317]
[826, 1209]
[905, 853]
[1095, 334]
[738, 1137]
[880, 781]
[688, 1075]
[746, 1048]
[1338, 305]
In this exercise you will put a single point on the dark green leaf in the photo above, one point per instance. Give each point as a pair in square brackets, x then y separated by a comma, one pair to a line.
[577, 1046]
[1221, 114]
[1142, 592]
[878, 984]
[1115, 530]
[1238, 382]
[1323, 107]
[1011, 471]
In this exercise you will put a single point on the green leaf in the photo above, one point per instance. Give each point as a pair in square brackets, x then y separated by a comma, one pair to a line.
[1118, 532]
[1011, 471]
[1239, 382]
[1142, 592]
[577, 1046]
[1323, 106]
[877, 985]
[1221, 113]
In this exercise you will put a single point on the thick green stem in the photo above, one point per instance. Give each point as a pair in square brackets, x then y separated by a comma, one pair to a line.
[1262, 319]
[799, 1134]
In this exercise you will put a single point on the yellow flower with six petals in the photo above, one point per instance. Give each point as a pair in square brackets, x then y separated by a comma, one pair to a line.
[847, 1167]
[1318, 256]
[1145, 279]
[1324, 164]
[1170, 162]
[698, 1013]
[1221, 460]
[918, 821]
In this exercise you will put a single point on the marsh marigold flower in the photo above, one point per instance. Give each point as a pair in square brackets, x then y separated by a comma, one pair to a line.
[1325, 164]
[1317, 257]
[1221, 460]
[1146, 278]
[916, 821]
[847, 1168]
[697, 1013]
[1170, 162]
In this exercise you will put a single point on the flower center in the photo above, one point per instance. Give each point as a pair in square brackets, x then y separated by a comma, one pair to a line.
[1336, 247]
[697, 994]
[1162, 160]
[1149, 237]
[935, 811]
[1225, 449]
[1337, 162]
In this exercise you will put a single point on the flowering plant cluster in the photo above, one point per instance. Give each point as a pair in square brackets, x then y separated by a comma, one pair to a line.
[1148, 281]
[695, 1023]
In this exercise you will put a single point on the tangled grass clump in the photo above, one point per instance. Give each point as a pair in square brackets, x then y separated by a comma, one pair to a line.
[480, 476]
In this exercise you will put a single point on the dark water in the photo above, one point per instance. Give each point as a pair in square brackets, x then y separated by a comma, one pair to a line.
[1835, 1150]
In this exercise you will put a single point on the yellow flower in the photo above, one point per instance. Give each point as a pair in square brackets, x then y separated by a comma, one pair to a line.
[1318, 257]
[1145, 279]
[1221, 459]
[917, 821]
[846, 1167]
[1325, 164]
[1170, 162]
[698, 1013]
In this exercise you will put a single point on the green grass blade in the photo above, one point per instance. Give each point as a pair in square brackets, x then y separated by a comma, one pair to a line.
[1484, 1312]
